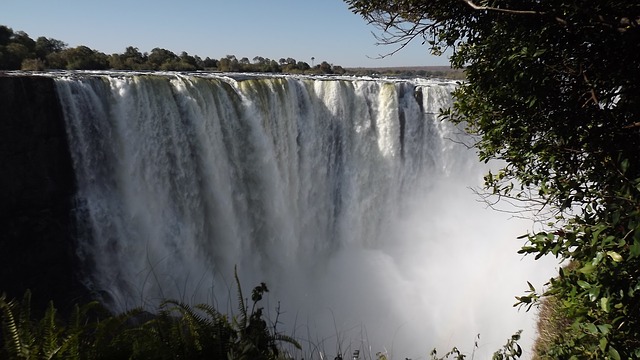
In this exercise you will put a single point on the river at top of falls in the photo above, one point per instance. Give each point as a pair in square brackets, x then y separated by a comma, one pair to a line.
[347, 196]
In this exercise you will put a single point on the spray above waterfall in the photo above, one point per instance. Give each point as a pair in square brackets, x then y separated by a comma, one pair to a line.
[346, 196]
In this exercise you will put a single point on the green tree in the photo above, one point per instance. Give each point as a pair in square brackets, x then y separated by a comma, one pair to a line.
[159, 56]
[21, 37]
[133, 59]
[84, 58]
[325, 67]
[15, 47]
[209, 63]
[5, 35]
[229, 63]
[224, 64]
[57, 60]
[552, 89]
[199, 62]
[302, 66]
[274, 67]
[337, 69]
[289, 65]
[13, 55]
[45, 46]
[188, 62]
[245, 64]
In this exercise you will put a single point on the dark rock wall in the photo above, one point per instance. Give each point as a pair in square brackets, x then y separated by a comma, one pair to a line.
[36, 195]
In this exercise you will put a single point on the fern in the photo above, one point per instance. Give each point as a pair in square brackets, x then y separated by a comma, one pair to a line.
[50, 334]
[221, 334]
[68, 347]
[29, 348]
[193, 324]
[71, 343]
[110, 338]
[162, 336]
[213, 313]
[287, 339]
[12, 344]
[241, 305]
[177, 330]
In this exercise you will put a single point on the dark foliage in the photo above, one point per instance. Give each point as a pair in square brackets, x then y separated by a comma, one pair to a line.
[176, 331]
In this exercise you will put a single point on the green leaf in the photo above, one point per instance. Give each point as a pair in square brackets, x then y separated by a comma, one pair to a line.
[610, 239]
[624, 165]
[604, 304]
[596, 233]
[614, 353]
[598, 258]
[539, 52]
[604, 329]
[616, 217]
[590, 327]
[594, 292]
[634, 249]
[603, 343]
[587, 269]
[583, 284]
[615, 256]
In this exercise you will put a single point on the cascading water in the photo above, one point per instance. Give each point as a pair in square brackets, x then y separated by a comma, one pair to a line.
[346, 196]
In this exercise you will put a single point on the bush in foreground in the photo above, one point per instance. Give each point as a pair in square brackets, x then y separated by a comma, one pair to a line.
[177, 330]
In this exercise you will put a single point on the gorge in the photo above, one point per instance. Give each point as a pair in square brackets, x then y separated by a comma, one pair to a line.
[347, 196]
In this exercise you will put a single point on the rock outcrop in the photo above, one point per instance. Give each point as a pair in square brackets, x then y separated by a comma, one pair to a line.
[36, 195]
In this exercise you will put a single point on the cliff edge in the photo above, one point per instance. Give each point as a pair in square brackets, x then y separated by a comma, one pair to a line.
[36, 195]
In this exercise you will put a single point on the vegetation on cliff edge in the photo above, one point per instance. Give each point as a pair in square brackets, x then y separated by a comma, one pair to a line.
[19, 52]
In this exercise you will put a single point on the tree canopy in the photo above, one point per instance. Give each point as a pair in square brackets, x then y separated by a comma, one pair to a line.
[19, 52]
[553, 89]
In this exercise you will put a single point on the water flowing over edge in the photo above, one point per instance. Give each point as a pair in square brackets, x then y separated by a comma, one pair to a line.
[347, 196]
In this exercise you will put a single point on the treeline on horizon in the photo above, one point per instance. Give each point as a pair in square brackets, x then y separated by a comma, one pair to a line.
[18, 51]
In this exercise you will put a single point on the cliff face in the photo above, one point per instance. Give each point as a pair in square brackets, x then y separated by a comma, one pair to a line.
[36, 192]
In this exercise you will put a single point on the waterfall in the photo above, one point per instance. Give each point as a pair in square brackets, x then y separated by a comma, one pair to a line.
[346, 196]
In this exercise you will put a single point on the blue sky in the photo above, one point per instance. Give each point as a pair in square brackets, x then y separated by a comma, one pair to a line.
[301, 29]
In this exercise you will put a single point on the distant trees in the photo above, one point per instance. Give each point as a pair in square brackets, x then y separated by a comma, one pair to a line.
[161, 59]
[83, 58]
[13, 54]
[19, 51]
[229, 63]
[303, 66]
[5, 35]
[45, 46]
[14, 48]
[208, 63]
[325, 67]
[131, 59]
